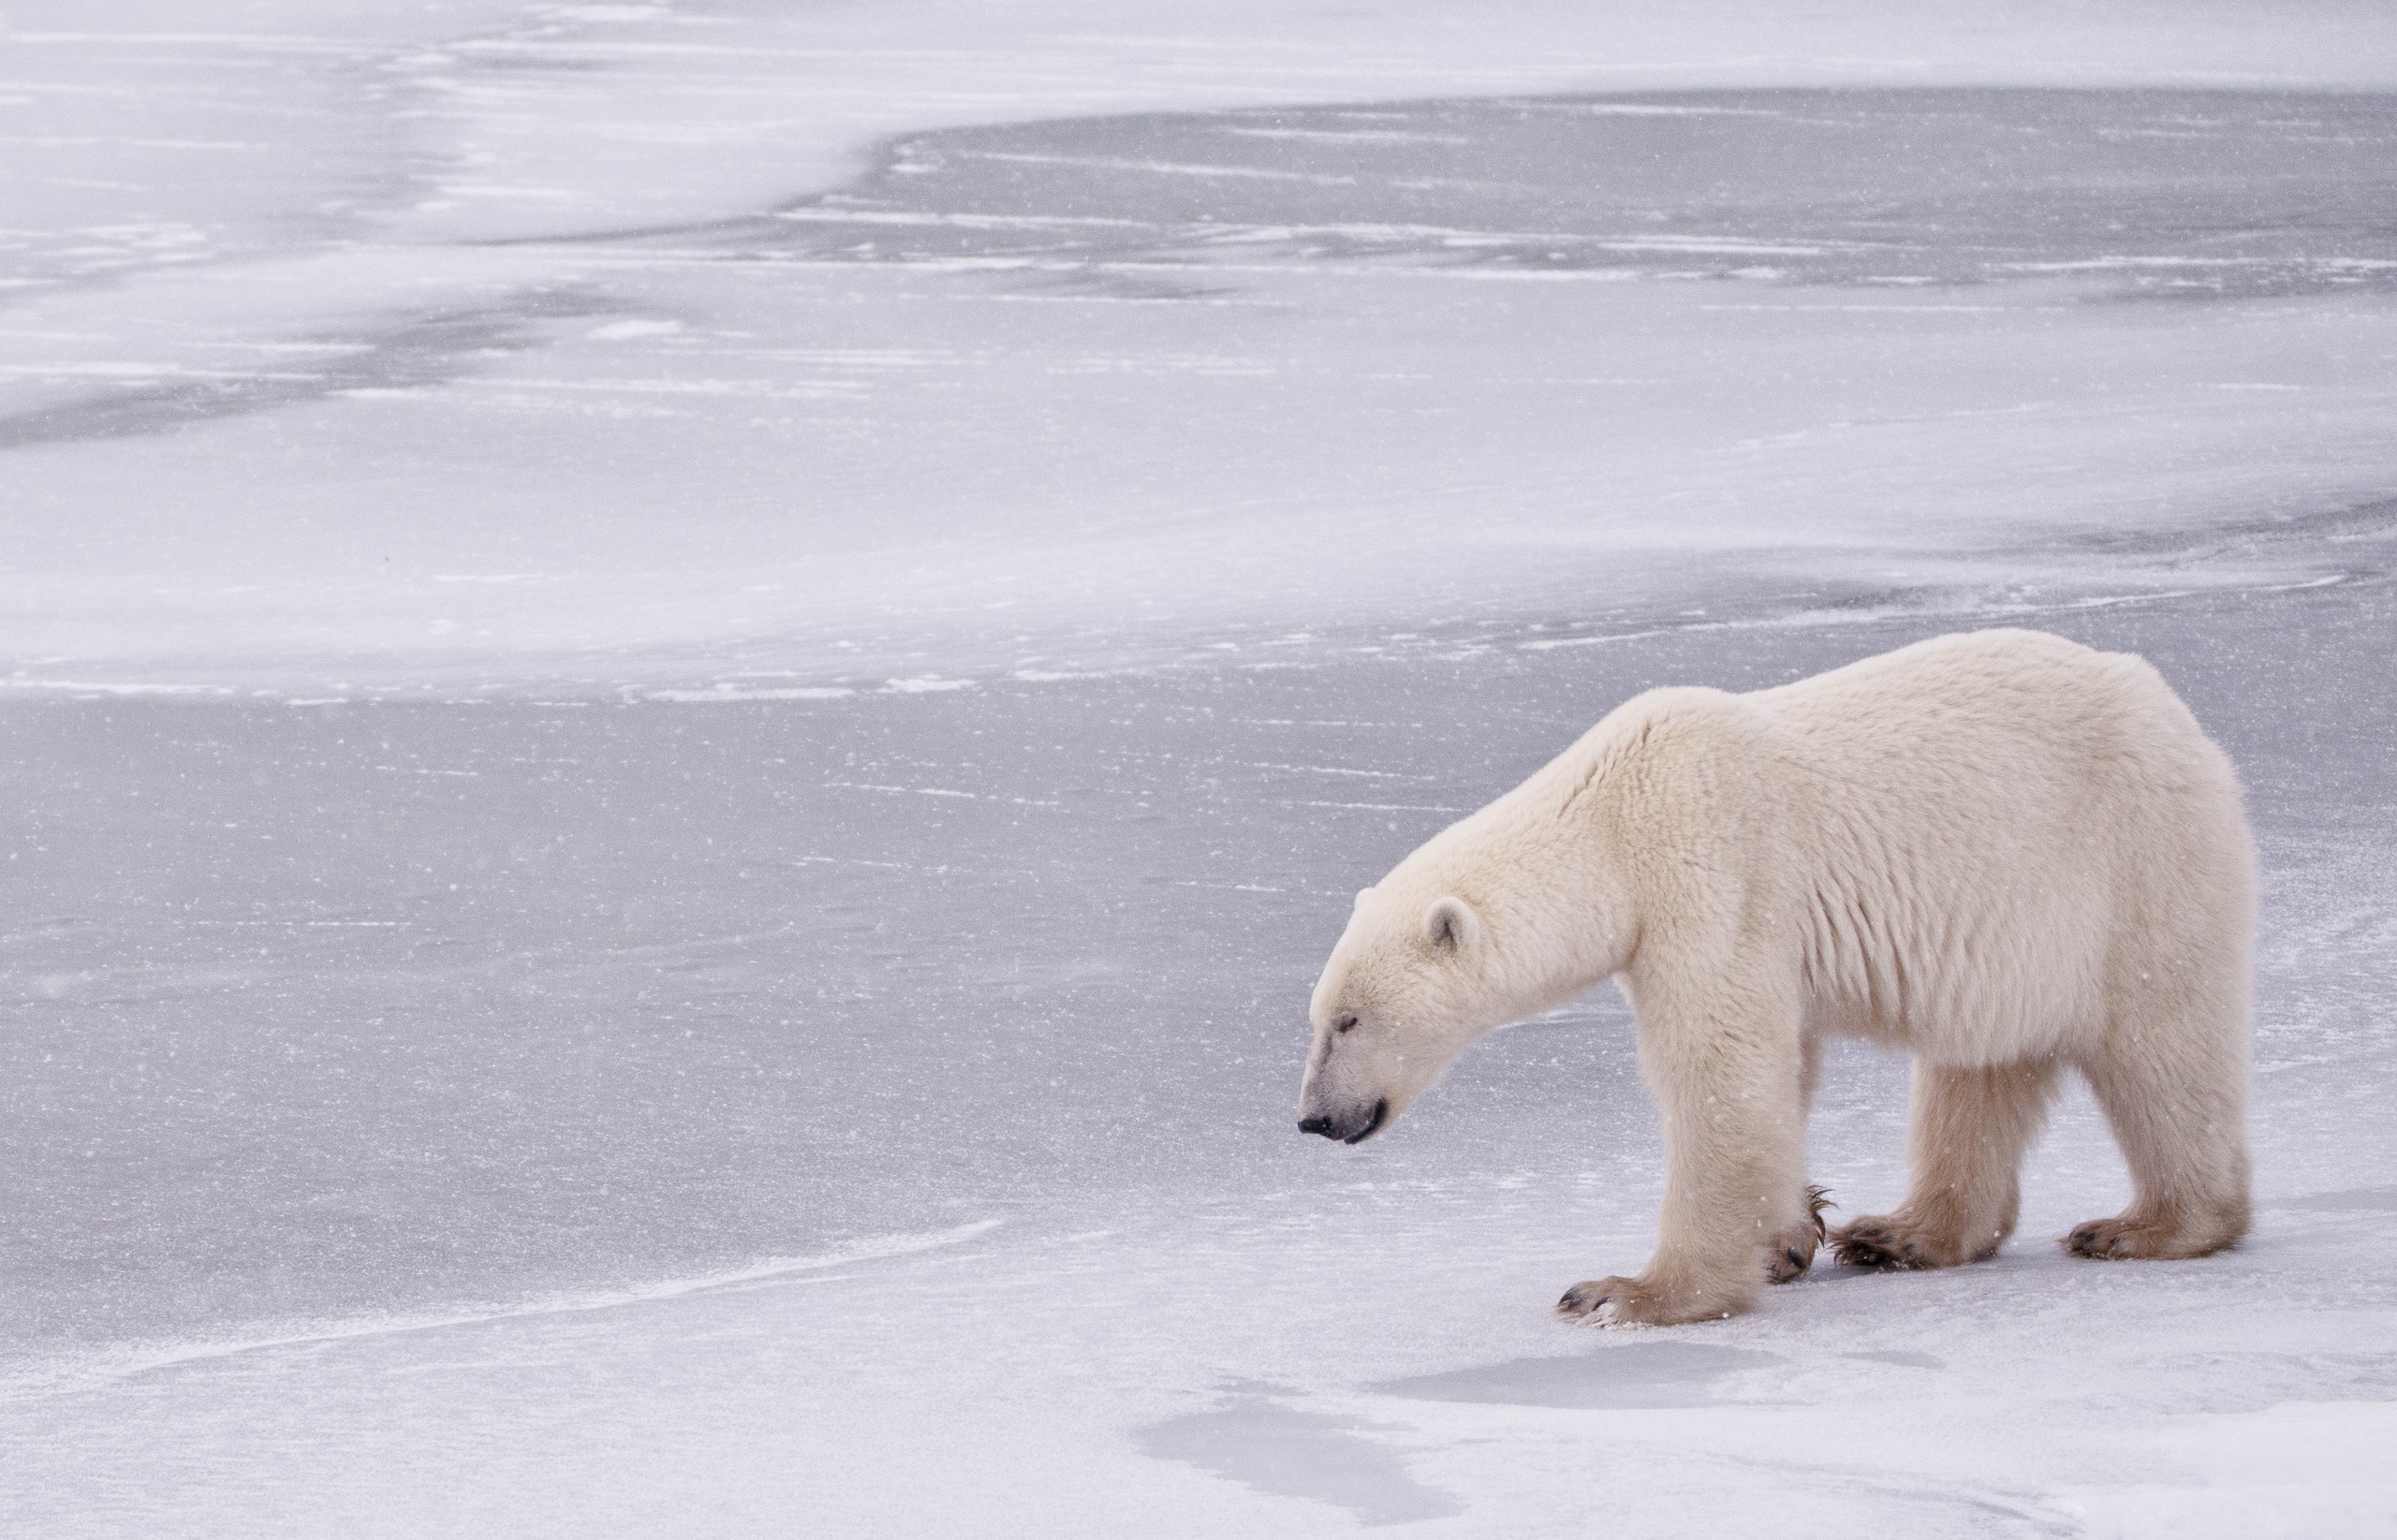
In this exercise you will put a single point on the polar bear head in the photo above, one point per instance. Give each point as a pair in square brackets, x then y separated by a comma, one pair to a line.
[1494, 920]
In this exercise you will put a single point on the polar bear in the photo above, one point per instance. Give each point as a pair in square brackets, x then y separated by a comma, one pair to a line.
[2001, 851]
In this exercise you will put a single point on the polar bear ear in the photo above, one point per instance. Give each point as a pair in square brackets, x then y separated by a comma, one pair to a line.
[1451, 924]
[1362, 894]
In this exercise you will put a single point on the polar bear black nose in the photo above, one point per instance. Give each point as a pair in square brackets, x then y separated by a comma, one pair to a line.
[1317, 1124]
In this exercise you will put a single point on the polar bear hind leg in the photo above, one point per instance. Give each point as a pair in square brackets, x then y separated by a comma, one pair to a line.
[1964, 1148]
[2181, 1121]
[2171, 1070]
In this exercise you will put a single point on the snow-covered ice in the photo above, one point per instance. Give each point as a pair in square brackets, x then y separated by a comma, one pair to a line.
[688, 692]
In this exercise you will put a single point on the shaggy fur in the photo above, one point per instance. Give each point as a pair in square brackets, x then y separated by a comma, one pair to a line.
[2002, 852]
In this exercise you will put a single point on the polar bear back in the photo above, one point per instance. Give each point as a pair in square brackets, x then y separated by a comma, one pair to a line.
[1984, 844]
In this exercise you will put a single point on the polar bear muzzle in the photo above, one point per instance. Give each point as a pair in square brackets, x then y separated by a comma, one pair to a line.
[1345, 1094]
[1347, 1127]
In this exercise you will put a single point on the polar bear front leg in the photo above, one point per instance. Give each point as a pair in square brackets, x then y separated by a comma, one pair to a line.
[1728, 1088]
[1788, 1253]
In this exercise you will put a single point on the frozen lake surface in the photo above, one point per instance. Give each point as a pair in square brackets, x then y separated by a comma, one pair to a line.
[689, 697]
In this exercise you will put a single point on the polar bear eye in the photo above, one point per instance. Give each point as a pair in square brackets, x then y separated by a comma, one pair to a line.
[1346, 1021]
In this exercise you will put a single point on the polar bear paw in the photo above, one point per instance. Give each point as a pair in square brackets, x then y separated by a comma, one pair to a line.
[2124, 1239]
[1891, 1243]
[1629, 1303]
[2116, 1240]
[1609, 1302]
[1789, 1252]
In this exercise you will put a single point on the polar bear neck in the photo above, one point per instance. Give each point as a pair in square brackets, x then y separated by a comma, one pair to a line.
[1543, 864]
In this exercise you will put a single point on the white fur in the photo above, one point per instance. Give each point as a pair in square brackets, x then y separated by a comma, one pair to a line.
[2001, 851]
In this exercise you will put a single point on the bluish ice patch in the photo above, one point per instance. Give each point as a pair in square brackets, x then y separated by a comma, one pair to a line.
[1618, 1375]
[1310, 1455]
